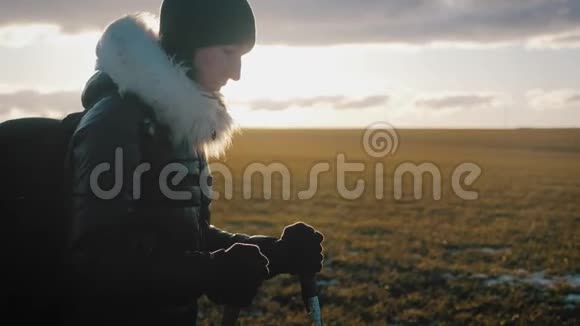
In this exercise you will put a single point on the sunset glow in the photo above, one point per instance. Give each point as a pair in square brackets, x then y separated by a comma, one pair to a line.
[413, 80]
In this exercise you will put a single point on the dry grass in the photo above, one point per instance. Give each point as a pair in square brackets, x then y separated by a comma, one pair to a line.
[420, 261]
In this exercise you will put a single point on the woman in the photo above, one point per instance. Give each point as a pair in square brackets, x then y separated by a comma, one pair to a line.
[139, 255]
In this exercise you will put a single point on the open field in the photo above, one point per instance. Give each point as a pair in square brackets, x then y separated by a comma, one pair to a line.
[512, 256]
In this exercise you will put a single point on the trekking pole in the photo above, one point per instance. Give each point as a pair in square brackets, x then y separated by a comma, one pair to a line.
[309, 295]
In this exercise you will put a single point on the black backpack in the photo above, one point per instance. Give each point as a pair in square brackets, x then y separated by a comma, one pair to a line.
[35, 213]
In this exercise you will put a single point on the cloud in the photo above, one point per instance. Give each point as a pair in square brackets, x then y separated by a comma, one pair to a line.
[20, 36]
[324, 22]
[418, 21]
[32, 103]
[457, 102]
[16, 36]
[335, 102]
[569, 39]
[549, 100]
[70, 14]
[574, 98]
[368, 102]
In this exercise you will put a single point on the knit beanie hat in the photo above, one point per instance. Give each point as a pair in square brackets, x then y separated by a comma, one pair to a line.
[186, 25]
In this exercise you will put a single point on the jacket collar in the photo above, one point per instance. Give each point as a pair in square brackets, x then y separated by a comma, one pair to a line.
[130, 54]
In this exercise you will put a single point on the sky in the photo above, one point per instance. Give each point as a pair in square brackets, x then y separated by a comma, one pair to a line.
[334, 63]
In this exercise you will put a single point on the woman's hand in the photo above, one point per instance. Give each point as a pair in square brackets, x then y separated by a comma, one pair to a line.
[237, 273]
[298, 251]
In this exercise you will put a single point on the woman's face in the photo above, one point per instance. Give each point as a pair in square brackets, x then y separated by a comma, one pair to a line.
[215, 65]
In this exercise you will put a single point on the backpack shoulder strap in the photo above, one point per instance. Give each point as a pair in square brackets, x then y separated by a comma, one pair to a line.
[70, 123]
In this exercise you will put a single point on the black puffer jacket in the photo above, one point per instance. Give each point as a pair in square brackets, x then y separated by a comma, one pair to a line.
[135, 252]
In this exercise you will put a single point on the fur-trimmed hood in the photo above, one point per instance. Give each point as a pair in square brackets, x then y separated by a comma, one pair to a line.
[130, 54]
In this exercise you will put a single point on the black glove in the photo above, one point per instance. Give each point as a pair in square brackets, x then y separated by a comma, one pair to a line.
[238, 272]
[298, 251]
